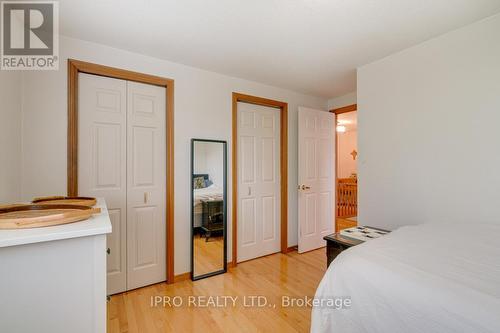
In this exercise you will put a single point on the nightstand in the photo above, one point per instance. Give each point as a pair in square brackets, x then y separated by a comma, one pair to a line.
[336, 243]
[212, 217]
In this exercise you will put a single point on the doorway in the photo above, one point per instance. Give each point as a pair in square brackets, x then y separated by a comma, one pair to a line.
[259, 177]
[135, 83]
[346, 156]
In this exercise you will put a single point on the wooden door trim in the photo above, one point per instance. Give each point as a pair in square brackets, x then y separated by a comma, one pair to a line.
[345, 109]
[336, 112]
[77, 66]
[283, 107]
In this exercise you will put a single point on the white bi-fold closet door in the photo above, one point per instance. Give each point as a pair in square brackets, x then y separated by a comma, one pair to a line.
[122, 157]
[258, 181]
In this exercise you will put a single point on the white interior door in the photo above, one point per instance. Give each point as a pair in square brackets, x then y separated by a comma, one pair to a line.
[121, 157]
[146, 185]
[258, 181]
[316, 178]
[102, 137]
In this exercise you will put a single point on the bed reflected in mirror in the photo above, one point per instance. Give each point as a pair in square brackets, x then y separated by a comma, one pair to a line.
[208, 208]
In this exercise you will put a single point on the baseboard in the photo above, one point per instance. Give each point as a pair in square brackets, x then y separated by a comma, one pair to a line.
[182, 277]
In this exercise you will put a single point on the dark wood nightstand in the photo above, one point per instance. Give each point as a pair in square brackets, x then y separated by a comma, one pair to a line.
[336, 243]
[212, 218]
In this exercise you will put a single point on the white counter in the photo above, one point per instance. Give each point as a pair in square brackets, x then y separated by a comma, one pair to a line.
[53, 279]
[96, 225]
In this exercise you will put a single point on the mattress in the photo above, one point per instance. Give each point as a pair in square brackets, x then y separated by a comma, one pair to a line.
[426, 278]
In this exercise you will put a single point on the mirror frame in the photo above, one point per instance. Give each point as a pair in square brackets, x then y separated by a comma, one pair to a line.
[224, 209]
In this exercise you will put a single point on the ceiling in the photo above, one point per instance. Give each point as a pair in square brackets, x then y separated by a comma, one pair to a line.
[309, 46]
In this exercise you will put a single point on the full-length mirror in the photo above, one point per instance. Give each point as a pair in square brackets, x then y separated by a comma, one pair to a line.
[208, 208]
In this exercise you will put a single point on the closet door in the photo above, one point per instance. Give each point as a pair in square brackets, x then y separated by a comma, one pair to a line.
[146, 185]
[102, 140]
[258, 181]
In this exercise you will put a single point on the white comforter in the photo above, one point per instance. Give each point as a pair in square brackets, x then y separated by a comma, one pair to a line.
[213, 192]
[427, 278]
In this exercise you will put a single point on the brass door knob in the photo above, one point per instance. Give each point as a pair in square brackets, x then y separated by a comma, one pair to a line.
[304, 187]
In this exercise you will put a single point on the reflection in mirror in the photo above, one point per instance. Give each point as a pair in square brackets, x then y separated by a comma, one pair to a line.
[208, 215]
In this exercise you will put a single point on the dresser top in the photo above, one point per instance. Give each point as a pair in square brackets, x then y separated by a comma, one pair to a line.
[96, 225]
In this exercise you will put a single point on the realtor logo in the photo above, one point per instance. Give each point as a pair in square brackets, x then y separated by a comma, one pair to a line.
[29, 36]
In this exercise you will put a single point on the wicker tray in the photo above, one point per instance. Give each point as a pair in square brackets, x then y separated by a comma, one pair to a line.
[60, 200]
[37, 216]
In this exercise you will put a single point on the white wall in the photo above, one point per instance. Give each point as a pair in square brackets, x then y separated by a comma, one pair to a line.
[346, 165]
[429, 138]
[340, 101]
[200, 157]
[209, 159]
[202, 110]
[215, 163]
[10, 135]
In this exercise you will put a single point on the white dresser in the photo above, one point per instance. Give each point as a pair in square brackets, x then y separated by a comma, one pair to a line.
[53, 280]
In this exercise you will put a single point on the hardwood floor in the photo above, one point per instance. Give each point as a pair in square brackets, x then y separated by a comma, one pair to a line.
[208, 256]
[274, 276]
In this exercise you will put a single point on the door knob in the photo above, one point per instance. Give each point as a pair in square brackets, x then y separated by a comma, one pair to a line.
[304, 187]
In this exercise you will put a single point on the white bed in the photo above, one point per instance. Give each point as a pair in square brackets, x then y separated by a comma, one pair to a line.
[425, 278]
[212, 192]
